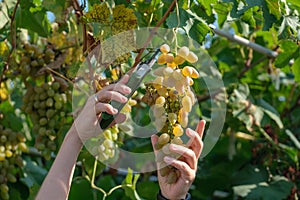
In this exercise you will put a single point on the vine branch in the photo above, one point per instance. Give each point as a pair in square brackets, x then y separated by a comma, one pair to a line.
[13, 41]
[79, 13]
[138, 57]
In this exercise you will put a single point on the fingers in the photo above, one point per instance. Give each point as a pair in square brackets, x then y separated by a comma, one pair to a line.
[195, 143]
[200, 128]
[112, 95]
[186, 172]
[154, 139]
[105, 107]
[188, 155]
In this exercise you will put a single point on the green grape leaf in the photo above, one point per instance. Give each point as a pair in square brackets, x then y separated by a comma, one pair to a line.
[269, 19]
[34, 174]
[4, 18]
[295, 2]
[34, 20]
[289, 22]
[289, 50]
[296, 69]
[148, 189]
[81, 189]
[278, 188]
[222, 9]
[172, 20]
[270, 111]
[198, 31]
[274, 8]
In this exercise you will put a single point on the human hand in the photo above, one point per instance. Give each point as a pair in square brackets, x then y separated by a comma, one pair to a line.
[186, 164]
[87, 123]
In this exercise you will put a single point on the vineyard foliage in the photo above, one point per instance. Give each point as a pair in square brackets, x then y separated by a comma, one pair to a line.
[44, 43]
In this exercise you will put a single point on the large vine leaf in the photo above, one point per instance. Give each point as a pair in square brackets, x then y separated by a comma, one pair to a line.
[172, 20]
[198, 30]
[289, 50]
[278, 188]
[33, 19]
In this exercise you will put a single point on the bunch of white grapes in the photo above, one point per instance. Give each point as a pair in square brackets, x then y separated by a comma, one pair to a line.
[107, 143]
[171, 102]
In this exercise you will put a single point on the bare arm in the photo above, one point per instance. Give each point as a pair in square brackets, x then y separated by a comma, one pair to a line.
[58, 181]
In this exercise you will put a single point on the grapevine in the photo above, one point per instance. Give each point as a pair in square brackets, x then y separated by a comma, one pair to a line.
[171, 101]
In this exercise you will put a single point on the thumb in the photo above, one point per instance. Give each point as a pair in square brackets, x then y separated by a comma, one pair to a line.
[154, 139]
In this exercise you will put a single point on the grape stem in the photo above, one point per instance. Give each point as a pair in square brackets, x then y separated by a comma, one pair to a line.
[13, 41]
[105, 194]
[138, 57]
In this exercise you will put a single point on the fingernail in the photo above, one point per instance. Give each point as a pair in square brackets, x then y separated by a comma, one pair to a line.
[167, 159]
[115, 110]
[124, 99]
[127, 89]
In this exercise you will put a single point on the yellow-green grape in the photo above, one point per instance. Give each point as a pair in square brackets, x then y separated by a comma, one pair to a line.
[160, 100]
[163, 139]
[177, 130]
[162, 59]
[172, 117]
[187, 71]
[172, 177]
[183, 52]
[169, 58]
[168, 71]
[163, 92]
[165, 48]
[166, 149]
[177, 140]
[190, 94]
[126, 108]
[159, 71]
[186, 104]
[160, 122]
[177, 75]
[191, 57]
[178, 60]
[107, 134]
[158, 82]
[158, 110]
[183, 118]
[164, 171]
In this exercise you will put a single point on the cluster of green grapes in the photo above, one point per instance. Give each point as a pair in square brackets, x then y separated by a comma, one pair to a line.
[121, 19]
[171, 101]
[33, 59]
[12, 144]
[46, 106]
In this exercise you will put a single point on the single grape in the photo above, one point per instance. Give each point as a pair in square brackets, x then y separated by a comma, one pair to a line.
[165, 48]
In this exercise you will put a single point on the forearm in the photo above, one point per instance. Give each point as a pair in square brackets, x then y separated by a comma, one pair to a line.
[57, 183]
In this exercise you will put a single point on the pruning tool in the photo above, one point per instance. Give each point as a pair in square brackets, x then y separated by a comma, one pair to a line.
[135, 79]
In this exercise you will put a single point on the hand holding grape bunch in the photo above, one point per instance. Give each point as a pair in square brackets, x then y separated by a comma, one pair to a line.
[186, 165]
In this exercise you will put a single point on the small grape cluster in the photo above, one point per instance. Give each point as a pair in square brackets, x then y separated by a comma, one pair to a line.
[33, 59]
[105, 147]
[12, 144]
[46, 106]
[171, 100]
[122, 19]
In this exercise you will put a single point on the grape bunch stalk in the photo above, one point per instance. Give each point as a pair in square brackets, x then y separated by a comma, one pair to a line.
[12, 144]
[171, 99]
